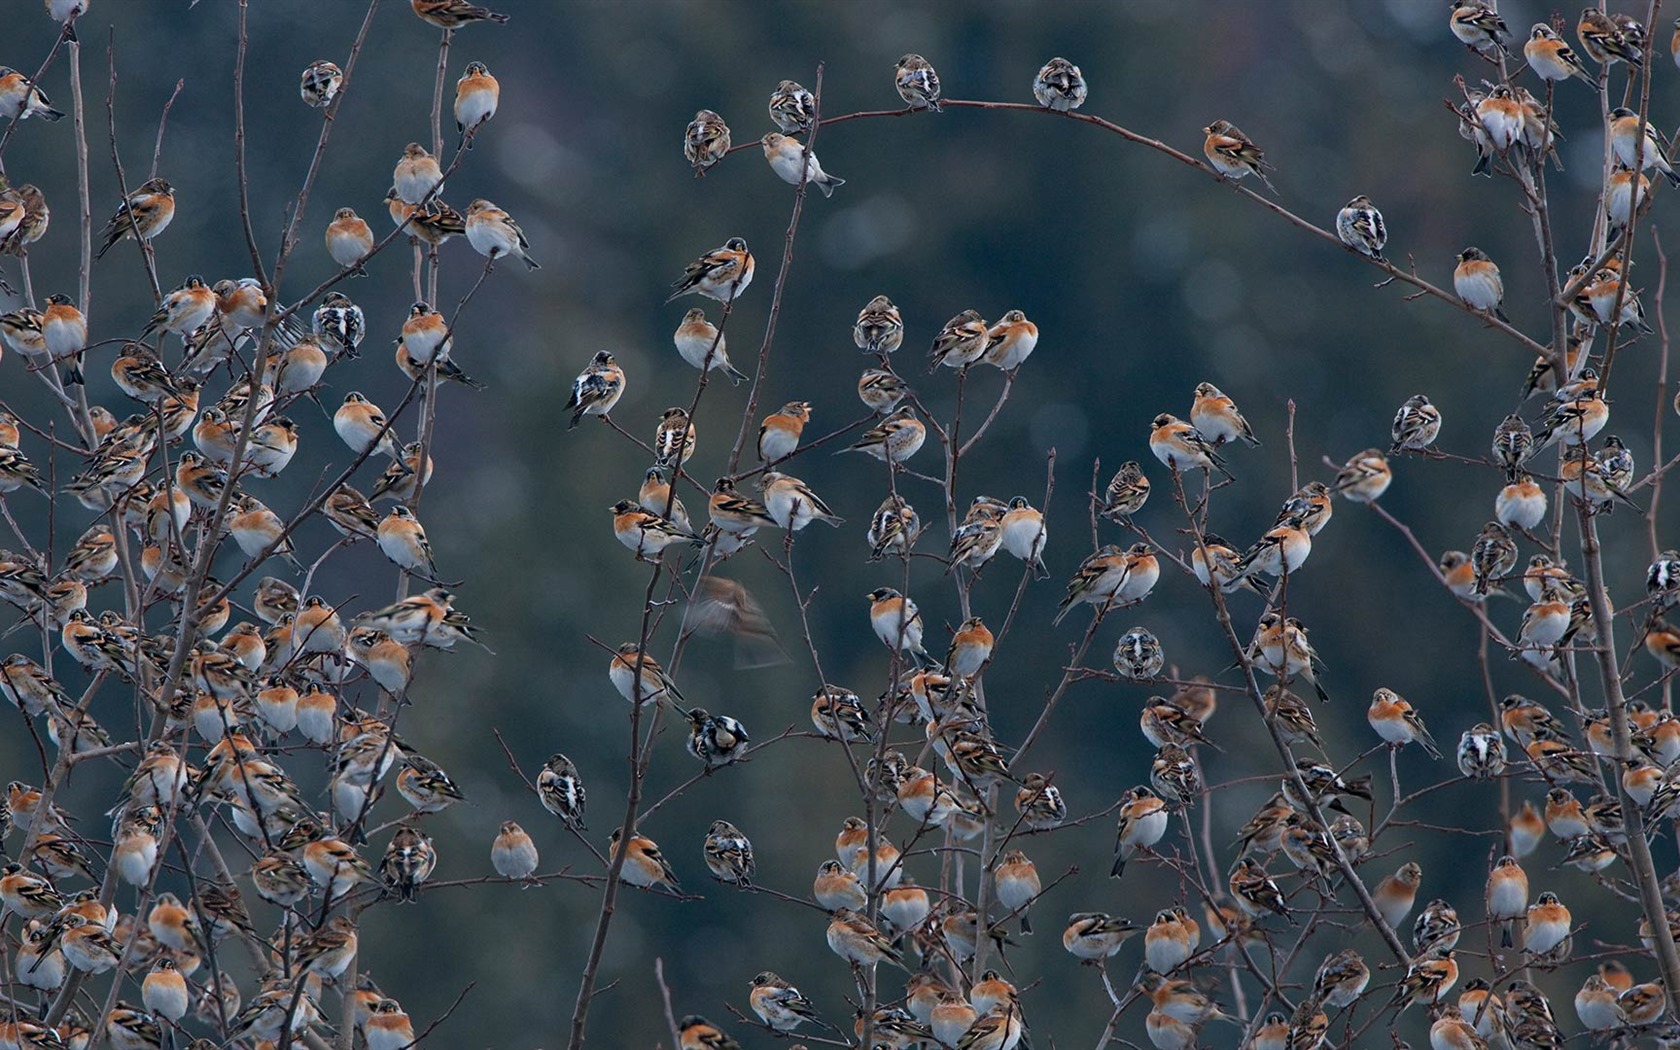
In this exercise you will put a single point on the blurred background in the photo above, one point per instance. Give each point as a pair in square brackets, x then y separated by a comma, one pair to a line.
[1144, 278]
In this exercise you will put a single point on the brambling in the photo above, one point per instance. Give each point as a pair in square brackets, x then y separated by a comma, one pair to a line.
[699, 343]
[960, 343]
[64, 331]
[1233, 154]
[1180, 446]
[183, 309]
[646, 533]
[734, 513]
[779, 434]
[1427, 980]
[1521, 504]
[1619, 196]
[16, 471]
[644, 866]
[453, 14]
[1478, 26]
[881, 391]
[1138, 655]
[1142, 823]
[1482, 1009]
[1255, 893]
[1395, 720]
[1493, 556]
[854, 834]
[319, 84]
[639, 678]
[1283, 549]
[721, 274]
[1017, 883]
[776, 1001]
[835, 887]
[792, 108]
[596, 389]
[409, 861]
[21, 331]
[416, 175]
[1170, 940]
[362, 426]
[729, 854]
[21, 99]
[1060, 86]
[329, 950]
[1547, 925]
[1360, 226]
[1625, 141]
[1523, 720]
[1662, 579]
[1291, 715]
[1167, 1032]
[716, 740]
[1217, 418]
[1126, 493]
[951, 1018]
[349, 512]
[32, 226]
[1644, 1004]
[560, 790]
[1341, 979]
[1603, 40]
[792, 504]
[1481, 752]
[855, 939]
[1093, 936]
[674, 440]
[1215, 560]
[793, 163]
[338, 322]
[1501, 119]
[1097, 581]
[349, 239]
[1597, 1006]
[28, 686]
[402, 539]
[879, 328]
[1551, 58]
[1273, 1033]
[1565, 817]
[1039, 803]
[1181, 999]
[388, 1027]
[493, 234]
[1506, 895]
[1459, 576]
[1280, 648]
[705, 141]
[917, 83]
[1476, 280]
[1010, 341]
[1641, 780]
[145, 213]
[971, 647]
[476, 96]
[893, 440]
[976, 542]
[1437, 929]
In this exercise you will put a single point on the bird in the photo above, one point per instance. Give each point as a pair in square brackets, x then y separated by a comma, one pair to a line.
[417, 174]
[971, 647]
[674, 440]
[792, 108]
[1476, 280]
[897, 621]
[1547, 925]
[705, 141]
[1478, 26]
[320, 82]
[561, 792]
[1060, 86]
[794, 163]
[1217, 418]
[493, 234]
[183, 309]
[1010, 341]
[1360, 226]
[775, 1000]
[144, 214]
[879, 328]
[855, 939]
[476, 96]
[644, 865]
[780, 432]
[21, 99]
[1625, 141]
[1093, 936]
[1138, 655]
[1125, 494]
[894, 439]
[1142, 823]
[699, 343]
[453, 14]
[917, 83]
[960, 343]
[402, 539]
[1233, 154]
[881, 391]
[640, 679]
[1551, 58]
[721, 274]
[1180, 446]
[596, 389]
[716, 740]
[729, 854]
[1396, 721]
[1603, 41]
